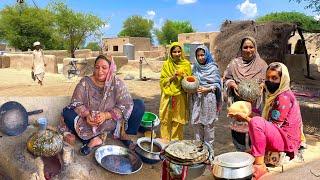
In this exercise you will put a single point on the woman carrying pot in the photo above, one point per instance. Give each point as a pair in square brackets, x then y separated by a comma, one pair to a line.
[173, 111]
[279, 128]
[206, 102]
[102, 103]
[247, 66]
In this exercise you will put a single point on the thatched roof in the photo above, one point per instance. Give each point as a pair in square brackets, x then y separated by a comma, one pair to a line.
[272, 40]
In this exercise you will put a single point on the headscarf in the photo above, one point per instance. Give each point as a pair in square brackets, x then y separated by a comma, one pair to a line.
[122, 97]
[240, 69]
[208, 74]
[169, 68]
[284, 86]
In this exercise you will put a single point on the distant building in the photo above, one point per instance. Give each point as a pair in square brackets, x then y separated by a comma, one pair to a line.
[115, 45]
[5, 47]
[207, 38]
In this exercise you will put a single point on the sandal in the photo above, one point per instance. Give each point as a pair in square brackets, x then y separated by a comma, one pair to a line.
[85, 150]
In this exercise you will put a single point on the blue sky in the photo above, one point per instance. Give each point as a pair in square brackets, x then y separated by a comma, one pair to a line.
[204, 15]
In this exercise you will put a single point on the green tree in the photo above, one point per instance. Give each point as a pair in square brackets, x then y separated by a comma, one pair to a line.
[75, 27]
[170, 30]
[136, 26]
[311, 4]
[21, 25]
[306, 22]
[94, 46]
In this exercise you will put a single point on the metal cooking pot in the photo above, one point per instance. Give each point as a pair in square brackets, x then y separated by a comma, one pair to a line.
[14, 118]
[146, 155]
[233, 165]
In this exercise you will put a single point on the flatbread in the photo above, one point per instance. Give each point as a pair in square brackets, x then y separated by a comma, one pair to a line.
[186, 150]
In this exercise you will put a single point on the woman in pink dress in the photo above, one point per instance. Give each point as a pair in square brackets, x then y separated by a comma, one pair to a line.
[279, 128]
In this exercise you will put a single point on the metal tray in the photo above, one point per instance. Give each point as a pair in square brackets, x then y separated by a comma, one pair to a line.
[118, 159]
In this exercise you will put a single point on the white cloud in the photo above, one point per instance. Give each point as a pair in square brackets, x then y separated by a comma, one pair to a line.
[208, 25]
[186, 1]
[150, 14]
[317, 17]
[248, 9]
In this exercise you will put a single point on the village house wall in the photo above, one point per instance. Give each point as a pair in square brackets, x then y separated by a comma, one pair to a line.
[115, 45]
[207, 38]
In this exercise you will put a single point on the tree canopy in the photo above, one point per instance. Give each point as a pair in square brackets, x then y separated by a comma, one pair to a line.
[21, 25]
[311, 4]
[75, 27]
[56, 27]
[306, 22]
[170, 30]
[137, 26]
[94, 46]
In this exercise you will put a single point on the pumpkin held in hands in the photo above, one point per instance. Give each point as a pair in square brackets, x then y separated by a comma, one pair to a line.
[249, 90]
[190, 84]
[47, 143]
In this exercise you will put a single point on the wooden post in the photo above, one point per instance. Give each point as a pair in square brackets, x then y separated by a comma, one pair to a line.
[306, 51]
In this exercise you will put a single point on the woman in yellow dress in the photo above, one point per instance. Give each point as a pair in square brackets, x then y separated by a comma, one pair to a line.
[173, 110]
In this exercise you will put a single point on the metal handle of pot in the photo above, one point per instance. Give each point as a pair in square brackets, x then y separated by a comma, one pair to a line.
[211, 153]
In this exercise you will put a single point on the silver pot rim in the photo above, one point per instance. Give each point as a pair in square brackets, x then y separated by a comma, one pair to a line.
[155, 142]
[222, 159]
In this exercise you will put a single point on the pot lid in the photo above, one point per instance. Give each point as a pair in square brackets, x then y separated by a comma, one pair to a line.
[234, 159]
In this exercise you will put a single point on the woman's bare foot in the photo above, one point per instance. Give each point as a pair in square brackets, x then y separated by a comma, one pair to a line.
[95, 142]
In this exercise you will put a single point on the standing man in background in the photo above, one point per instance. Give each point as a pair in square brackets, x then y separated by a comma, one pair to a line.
[38, 64]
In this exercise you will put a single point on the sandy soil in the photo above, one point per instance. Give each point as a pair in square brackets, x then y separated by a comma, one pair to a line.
[19, 83]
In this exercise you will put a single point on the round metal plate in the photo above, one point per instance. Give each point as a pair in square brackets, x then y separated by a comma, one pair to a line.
[13, 118]
[234, 159]
[118, 159]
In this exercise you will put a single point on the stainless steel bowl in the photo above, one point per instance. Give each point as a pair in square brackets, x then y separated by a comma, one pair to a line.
[145, 153]
[118, 159]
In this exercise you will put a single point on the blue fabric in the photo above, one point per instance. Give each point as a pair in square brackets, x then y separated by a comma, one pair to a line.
[69, 115]
[135, 117]
[133, 123]
[208, 74]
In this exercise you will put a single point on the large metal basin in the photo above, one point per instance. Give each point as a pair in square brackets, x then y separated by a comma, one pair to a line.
[118, 159]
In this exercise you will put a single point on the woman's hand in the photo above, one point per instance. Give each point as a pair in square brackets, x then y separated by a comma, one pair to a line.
[174, 77]
[90, 121]
[98, 119]
[261, 85]
[233, 85]
[203, 90]
[102, 117]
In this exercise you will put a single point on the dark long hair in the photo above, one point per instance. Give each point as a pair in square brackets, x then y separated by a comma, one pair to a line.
[102, 57]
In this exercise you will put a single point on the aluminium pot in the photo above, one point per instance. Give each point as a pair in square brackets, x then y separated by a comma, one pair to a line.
[144, 152]
[233, 165]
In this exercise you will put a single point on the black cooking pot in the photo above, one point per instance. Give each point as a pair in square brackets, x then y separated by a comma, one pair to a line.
[14, 118]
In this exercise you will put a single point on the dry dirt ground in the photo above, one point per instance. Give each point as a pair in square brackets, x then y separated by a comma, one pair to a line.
[19, 83]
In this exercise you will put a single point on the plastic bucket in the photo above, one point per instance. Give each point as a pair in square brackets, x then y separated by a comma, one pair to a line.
[148, 118]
